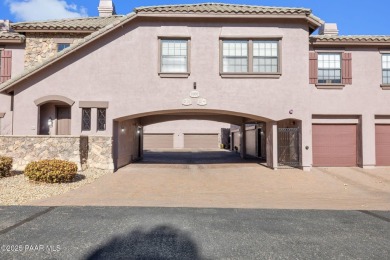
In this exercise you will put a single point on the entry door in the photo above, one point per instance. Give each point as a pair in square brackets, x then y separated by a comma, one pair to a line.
[63, 120]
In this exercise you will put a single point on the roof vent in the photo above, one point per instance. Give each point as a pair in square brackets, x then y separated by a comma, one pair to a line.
[4, 25]
[329, 29]
[106, 8]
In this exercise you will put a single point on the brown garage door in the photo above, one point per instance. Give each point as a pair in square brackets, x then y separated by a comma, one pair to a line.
[334, 145]
[158, 141]
[382, 144]
[201, 141]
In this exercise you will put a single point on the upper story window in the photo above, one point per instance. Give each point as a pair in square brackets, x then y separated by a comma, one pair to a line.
[174, 57]
[386, 69]
[250, 58]
[329, 68]
[61, 46]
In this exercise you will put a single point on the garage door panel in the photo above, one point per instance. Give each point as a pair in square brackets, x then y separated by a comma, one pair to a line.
[334, 145]
[201, 141]
[382, 145]
[158, 141]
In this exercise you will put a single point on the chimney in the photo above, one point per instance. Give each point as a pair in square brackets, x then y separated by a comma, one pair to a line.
[106, 8]
[329, 29]
[4, 25]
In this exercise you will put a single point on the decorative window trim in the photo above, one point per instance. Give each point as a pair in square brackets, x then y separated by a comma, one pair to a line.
[93, 104]
[174, 74]
[385, 86]
[250, 73]
[329, 86]
[328, 69]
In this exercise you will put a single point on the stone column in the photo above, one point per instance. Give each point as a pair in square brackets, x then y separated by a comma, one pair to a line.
[272, 144]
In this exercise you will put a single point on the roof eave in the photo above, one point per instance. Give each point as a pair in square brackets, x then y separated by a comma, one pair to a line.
[55, 30]
[17, 41]
[349, 43]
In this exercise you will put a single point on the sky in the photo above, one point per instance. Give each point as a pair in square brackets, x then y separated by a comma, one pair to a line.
[360, 17]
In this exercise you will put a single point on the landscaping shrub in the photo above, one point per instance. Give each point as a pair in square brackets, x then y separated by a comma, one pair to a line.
[5, 166]
[51, 171]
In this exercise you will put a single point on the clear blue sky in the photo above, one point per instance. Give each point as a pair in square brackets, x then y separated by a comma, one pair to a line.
[353, 17]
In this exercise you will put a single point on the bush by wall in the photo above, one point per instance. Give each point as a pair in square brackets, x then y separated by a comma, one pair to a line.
[51, 171]
[5, 166]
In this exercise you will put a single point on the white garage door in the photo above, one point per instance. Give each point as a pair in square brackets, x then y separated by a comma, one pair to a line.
[201, 141]
[158, 141]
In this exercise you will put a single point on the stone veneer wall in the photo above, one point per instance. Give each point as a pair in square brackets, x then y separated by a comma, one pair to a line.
[85, 151]
[40, 46]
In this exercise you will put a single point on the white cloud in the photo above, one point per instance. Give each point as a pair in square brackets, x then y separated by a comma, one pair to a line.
[33, 10]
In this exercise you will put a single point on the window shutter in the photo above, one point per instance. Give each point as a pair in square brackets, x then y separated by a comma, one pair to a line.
[347, 68]
[5, 63]
[313, 67]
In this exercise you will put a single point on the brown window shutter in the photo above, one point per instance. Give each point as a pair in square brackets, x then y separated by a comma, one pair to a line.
[313, 67]
[347, 68]
[6, 65]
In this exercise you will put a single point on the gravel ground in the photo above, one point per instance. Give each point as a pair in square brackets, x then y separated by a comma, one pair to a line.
[18, 189]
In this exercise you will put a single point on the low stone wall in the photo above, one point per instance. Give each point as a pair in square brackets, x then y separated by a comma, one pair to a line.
[85, 151]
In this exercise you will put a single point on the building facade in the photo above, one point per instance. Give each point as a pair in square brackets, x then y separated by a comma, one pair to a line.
[298, 99]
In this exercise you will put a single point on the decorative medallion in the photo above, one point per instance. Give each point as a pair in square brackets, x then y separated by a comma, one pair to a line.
[194, 94]
[202, 102]
[186, 102]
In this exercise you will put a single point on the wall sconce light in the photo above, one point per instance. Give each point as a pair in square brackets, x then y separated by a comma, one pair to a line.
[50, 122]
[122, 129]
[194, 85]
[291, 111]
[138, 130]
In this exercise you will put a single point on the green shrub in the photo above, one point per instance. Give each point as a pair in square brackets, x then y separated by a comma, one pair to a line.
[51, 171]
[5, 166]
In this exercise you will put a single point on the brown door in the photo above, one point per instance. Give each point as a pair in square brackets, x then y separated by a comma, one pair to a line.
[63, 120]
[382, 145]
[334, 145]
[201, 141]
[158, 141]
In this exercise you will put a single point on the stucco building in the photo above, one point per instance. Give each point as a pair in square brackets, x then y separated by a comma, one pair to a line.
[298, 99]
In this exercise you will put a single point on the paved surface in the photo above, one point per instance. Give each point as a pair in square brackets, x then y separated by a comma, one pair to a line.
[188, 233]
[221, 179]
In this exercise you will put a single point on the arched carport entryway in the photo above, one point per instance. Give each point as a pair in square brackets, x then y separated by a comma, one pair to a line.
[128, 131]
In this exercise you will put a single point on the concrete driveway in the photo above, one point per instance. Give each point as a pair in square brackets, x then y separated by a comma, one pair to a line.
[221, 179]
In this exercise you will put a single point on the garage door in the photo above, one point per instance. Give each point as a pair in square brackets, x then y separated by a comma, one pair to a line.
[382, 144]
[201, 141]
[158, 141]
[334, 145]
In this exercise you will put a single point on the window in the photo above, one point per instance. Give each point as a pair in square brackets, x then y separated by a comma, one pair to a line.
[86, 119]
[329, 68]
[174, 56]
[386, 69]
[235, 56]
[62, 46]
[101, 119]
[265, 56]
[250, 57]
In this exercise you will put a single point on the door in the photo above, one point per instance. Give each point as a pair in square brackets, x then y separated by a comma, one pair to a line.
[63, 120]
[289, 146]
[382, 145]
[335, 145]
[201, 141]
[158, 141]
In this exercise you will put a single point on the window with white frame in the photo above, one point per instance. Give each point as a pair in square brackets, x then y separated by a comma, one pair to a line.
[235, 56]
[174, 56]
[386, 69]
[329, 68]
[265, 56]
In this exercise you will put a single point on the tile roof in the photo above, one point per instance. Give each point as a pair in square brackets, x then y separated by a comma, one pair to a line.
[4, 35]
[350, 38]
[80, 24]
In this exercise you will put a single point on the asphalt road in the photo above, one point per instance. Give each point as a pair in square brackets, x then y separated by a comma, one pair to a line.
[190, 233]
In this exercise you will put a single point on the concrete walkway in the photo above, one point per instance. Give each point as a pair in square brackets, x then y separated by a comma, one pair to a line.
[220, 179]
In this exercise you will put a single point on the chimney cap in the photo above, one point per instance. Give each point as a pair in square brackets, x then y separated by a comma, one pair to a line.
[106, 8]
[329, 29]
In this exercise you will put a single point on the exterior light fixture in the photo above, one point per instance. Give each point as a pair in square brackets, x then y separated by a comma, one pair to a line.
[138, 130]
[194, 85]
[50, 122]
[123, 129]
[291, 111]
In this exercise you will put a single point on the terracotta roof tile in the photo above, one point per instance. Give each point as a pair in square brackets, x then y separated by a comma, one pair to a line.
[351, 38]
[83, 24]
[4, 35]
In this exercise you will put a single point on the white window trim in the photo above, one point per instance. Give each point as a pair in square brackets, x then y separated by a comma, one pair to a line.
[174, 74]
